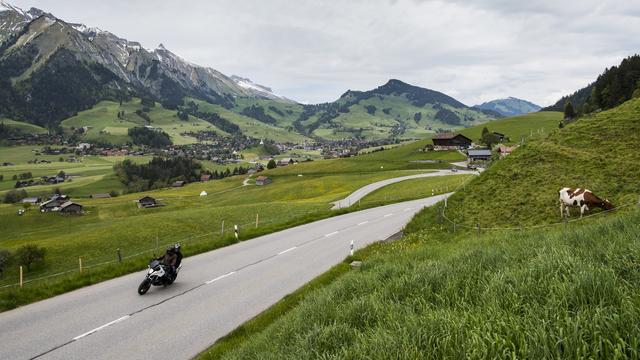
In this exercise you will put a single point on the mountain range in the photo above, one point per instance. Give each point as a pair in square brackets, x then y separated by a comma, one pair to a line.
[509, 107]
[51, 70]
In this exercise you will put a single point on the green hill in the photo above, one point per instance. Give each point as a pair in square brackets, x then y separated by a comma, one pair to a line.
[23, 127]
[517, 127]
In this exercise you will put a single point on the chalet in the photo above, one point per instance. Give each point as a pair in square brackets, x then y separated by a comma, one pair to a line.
[205, 177]
[505, 150]
[70, 208]
[100, 196]
[478, 155]
[147, 202]
[52, 205]
[285, 161]
[499, 136]
[178, 184]
[31, 200]
[262, 180]
[451, 141]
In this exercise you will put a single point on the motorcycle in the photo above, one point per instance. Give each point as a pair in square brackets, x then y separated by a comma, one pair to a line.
[158, 275]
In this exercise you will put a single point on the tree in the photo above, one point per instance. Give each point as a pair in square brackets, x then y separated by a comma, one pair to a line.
[488, 138]
[1, 177]
[291, 161]
[271, 164]
[5, 257]
[561, 125]
[29, 254]
[569, 111]
[13, 196]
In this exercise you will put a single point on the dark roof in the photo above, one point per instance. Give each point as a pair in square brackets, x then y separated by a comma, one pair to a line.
[448, 136]
[146, 198]
[262, 178]
[67, 204]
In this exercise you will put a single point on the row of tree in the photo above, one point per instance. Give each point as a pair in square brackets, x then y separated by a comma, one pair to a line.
[26, 255]
[158, 173]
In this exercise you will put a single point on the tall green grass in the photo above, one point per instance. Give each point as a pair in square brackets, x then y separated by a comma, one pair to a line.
[437, 295]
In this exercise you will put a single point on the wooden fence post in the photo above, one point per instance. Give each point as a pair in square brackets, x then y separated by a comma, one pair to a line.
[21, 282]
[256, 221]
[222, 229]
[80, 263]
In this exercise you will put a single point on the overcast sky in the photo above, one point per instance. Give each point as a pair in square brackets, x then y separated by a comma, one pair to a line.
[313, 51]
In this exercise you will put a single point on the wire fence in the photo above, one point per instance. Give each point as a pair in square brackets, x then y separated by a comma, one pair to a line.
[228, 229]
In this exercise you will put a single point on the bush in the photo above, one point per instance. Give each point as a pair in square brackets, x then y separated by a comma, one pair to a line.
[113, 193]
[14, 196]
[29, 254]
[271, 164]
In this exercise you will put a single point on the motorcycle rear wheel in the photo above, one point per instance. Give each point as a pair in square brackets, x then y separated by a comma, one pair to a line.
[144, 287]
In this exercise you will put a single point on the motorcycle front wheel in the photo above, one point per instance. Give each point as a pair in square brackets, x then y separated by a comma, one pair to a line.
[144, 287]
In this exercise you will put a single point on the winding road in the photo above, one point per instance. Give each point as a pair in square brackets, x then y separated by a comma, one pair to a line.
[366, 190]
[215, 292]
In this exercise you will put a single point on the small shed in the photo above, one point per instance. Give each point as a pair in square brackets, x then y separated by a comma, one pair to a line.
[262, 180]
[205, 177]
[499, 136]
[285, 161]
[70, 207]
[147, 202]
[31, 200]
[478, 155]
[179, 183]
[100, 196]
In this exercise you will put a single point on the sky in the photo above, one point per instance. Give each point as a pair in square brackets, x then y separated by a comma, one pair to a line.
[313, 51]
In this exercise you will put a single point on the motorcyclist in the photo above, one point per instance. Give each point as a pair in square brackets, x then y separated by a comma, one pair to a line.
[170, 260]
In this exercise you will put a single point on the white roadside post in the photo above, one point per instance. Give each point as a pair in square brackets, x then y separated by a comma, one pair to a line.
[21, 277]
[351, 247]
[235, 231]
[257, 217]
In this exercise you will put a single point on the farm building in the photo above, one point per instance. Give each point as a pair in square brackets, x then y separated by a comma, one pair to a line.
[505, 150]
[451, 141]
[499, 136]
[478, 155]
[205, 178]
[178, 184]
[31, 200]
[147, 202]
[262, 180]
[100, 196]
[70, 208]
[285, 161]
[52, 205]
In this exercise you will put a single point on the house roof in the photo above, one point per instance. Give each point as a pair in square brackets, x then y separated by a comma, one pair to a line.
[479, 152]
[146, 197]
[68, 203]
[448, 136]
[262, 178]
[31, 200]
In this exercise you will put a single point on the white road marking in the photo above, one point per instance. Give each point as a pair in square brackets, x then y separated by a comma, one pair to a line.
[388, 215]
[364, 222]
[286, 251]
[331, 234]
[220, 277]
[407, 209]
[101, 327]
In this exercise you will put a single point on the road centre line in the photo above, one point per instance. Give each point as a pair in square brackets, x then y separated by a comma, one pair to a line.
[101, 327]
[220, 277]
[286, 251]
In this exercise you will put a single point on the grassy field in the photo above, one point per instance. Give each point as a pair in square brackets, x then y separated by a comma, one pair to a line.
[24, 126]
[106, 126]
[553, 292]
[517, 127]
[187, 217]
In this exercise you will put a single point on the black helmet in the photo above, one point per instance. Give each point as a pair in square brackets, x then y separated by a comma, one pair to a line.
[170, 250]
[176, 247]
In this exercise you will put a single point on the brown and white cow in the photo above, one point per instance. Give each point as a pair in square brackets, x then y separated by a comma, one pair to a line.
[582, 198]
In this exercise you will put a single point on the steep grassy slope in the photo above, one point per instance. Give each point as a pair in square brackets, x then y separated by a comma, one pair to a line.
[597, 153]
[517, 127]
[23, 126]
[527, 295]
[106, 126]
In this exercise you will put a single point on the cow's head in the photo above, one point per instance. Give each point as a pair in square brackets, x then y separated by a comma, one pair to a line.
[607, 205]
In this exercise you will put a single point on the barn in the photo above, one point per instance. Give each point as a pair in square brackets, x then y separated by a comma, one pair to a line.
[147, 202]
[478, 155]
[70, 208]
[263, 180]
[450, 141]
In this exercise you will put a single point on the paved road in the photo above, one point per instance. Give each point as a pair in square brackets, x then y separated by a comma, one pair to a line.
[367, 189]
[215, 292]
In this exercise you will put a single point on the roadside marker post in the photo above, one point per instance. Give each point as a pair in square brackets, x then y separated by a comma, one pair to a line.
[80, 263]
[257, 220]
[119, 253]
[21, 282]
[351, 248]
[222, 229]
[235, 231]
